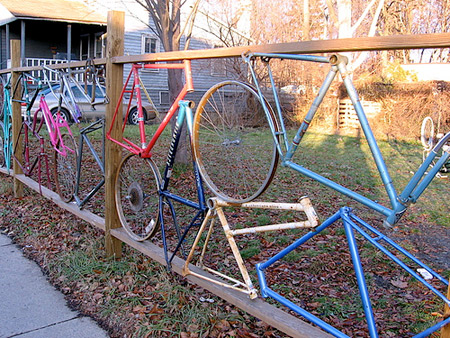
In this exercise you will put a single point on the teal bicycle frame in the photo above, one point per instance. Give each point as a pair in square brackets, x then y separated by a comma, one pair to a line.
[6, 125]
[398, 202]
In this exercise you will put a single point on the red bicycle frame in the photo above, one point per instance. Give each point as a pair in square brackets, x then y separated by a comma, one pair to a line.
[144, 149]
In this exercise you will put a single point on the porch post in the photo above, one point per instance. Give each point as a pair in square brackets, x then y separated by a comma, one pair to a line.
[69, 43]
[8, 49]
[22, 43]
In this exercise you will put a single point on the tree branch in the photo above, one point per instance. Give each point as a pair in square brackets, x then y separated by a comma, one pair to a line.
[362, 17]
[190, 23]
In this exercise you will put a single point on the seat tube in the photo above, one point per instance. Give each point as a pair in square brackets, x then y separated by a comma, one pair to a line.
[312, 111]
[141, 122]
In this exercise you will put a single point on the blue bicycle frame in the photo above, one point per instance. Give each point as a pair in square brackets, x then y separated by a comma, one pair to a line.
[398, 202]
[352, 225]
[166, 197]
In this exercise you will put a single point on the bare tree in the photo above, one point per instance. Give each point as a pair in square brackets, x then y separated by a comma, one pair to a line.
[227, 22]
[166, 16]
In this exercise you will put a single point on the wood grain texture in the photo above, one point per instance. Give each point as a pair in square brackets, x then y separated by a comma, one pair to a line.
[16, 118]
[394, 42]
[113, 152]
[256, 307]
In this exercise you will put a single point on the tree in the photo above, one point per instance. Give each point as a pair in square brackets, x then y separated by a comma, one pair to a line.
[166, 16]
[227, 24]
[350, 23]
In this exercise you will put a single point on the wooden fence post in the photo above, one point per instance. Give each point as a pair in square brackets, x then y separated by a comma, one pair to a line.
[445, 332]
[16, 117]
[113, 152]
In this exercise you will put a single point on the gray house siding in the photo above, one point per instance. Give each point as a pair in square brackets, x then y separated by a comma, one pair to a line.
[137, 22]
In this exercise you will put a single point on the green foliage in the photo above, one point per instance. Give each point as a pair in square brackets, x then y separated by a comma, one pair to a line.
[396, 73]
[250, 252]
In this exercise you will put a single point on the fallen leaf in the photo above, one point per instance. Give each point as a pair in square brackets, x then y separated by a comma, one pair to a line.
[399, 283]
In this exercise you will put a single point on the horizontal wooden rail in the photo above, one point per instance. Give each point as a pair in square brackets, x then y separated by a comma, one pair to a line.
[257, 307]
[394, 42]
[303, 47]
[88, 216]
[64, 65]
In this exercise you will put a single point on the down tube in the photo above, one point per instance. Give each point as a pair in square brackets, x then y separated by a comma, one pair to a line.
[198, 179]
[376, 153]
[339, 188]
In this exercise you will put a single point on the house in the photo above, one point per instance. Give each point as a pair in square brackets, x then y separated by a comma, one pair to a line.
[54, 30]
[50, 30]
[429, 71]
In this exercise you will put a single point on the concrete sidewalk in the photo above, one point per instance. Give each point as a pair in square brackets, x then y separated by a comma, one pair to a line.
[32, 308]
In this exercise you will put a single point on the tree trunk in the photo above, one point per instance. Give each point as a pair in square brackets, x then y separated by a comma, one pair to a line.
[175, 85]
[306, 20]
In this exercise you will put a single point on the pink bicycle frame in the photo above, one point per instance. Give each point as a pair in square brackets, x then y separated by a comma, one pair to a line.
[144, 149]
[54, 126]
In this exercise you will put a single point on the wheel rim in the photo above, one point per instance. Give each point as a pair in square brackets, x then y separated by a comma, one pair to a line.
[236, 157]
[137, 198]
[427, 133]
[66, 168]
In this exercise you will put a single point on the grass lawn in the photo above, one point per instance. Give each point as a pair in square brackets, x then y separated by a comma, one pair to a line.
[138, 297]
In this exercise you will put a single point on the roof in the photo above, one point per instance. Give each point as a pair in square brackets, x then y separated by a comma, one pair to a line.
[51, 10]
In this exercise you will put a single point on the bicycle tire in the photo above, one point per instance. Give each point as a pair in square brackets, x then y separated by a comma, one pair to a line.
[2, 97]
[236, 156]
[137, 197]
[427, 133]
[65, 168]
[2, 146]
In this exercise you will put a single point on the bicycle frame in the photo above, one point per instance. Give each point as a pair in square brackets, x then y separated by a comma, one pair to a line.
[398, 202]
[54, 126]
[144, 148]
[66, 94]
[99, 160]
[184, 114]
[7, 126]
[28, 164]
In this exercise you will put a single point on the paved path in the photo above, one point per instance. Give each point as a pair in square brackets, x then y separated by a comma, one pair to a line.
[32, 308]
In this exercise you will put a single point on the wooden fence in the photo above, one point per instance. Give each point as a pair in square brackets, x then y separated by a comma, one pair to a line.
[115, 236]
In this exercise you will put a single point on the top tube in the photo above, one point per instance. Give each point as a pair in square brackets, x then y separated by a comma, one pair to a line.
[310, 58]
[398, 202]
[144, 149]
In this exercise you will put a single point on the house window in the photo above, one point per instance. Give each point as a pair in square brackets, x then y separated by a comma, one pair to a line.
[85, 47]
[164, 98]
[99, 45]
[150, 44]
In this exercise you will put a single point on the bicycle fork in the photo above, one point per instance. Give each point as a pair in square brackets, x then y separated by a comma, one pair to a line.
[165, 197]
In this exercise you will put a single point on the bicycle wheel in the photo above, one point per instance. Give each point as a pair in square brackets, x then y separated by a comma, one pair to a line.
[65, 168]
[427, 133]
[137, 198]
[234, 149]
[2, 146]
